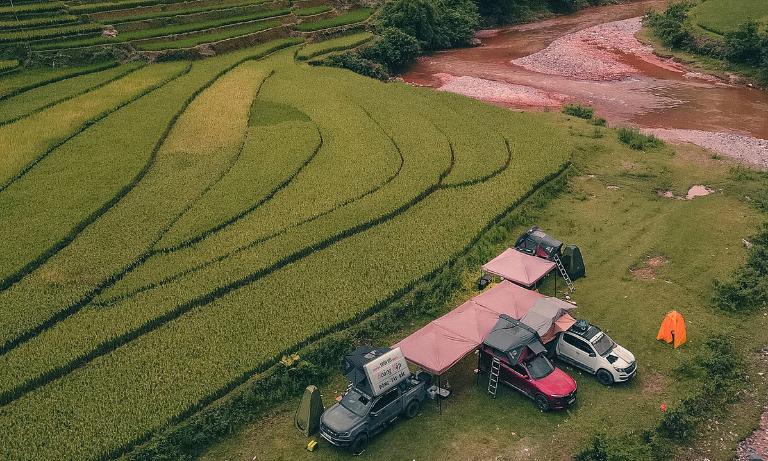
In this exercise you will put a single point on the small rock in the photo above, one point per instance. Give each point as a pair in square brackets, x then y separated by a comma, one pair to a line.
[747, 243]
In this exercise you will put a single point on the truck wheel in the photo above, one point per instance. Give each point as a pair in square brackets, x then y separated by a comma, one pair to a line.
[541, 402]
[359, 444]
[412, 409]
[604, 377]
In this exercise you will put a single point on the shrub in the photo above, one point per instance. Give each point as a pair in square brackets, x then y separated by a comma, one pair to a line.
[436, 24]
[395, 49]
[603, 447]
[744, 45]
[637, 140]
[579, 111]
[599, 121]
[748, 288]
[356, 63]
[671, 25]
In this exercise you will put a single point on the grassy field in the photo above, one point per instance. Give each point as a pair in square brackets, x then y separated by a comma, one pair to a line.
[722, 16]
[149, 241]
[611, 209]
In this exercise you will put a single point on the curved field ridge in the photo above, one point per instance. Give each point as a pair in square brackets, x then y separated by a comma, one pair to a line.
[276, 202]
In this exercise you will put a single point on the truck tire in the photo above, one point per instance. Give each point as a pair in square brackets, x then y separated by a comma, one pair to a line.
[604, 377]
[412, 409]
[359, 444]
[541, 402]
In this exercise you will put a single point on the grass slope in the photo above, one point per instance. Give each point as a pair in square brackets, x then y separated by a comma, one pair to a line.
[722, 16]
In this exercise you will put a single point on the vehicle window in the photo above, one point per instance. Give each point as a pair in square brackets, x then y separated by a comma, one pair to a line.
[385, 400]
[578, 343]
[520, 369]
[540, 367]
[604, 344]
[355, 402]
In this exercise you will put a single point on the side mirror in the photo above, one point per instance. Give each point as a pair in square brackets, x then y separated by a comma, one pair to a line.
[374, 414]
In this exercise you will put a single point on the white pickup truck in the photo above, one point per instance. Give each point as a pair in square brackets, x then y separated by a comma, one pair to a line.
[587, 347]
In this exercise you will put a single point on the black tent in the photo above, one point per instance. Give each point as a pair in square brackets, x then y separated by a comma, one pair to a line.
[353, 363]
[511, 337]
[537, 243]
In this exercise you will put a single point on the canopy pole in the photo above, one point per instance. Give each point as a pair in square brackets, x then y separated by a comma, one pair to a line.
[439, 400]
[555, 295]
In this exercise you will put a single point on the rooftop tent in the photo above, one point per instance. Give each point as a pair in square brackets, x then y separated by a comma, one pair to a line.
[518, 267]
[353, 362]
[549, 316]
[508, 298]
[470, 320]
[435, 348]
[512, 337]
[536, 242]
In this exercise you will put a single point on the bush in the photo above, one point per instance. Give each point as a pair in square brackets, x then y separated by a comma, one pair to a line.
[671, 25]
[356, 63]
[748, 288]
[744, 45]
[603, 447]
[436, 24]
[599, 121]
[580, 111]
[637, 140]
[395, 50]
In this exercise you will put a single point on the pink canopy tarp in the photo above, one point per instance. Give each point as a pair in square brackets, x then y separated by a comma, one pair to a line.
[519, 267]
[435, 348]
[446, 340]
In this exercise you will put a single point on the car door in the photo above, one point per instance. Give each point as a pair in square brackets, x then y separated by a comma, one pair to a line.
[517, 377]
[578, 351]
[386, 408]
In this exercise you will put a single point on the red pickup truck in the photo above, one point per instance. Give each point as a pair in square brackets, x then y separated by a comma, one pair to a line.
[524, 366]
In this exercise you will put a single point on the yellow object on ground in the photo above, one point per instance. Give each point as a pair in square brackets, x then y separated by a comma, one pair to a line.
[312, 445]
[672, 329]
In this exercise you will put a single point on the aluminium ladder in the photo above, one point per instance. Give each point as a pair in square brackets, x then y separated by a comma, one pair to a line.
[493, 378]
[564, 273]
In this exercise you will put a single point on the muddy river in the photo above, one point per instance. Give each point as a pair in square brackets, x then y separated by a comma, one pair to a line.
[592, 57]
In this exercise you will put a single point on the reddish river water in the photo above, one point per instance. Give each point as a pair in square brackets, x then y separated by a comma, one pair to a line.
[605, 67]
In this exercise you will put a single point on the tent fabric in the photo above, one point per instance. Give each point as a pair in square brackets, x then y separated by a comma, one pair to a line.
[672, 329]
[435, 348]
[470, 320]
[508, 298]
[518, 267]
[446, 340]
[511, 337]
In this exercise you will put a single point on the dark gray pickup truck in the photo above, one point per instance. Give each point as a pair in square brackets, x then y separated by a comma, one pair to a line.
[359, 416]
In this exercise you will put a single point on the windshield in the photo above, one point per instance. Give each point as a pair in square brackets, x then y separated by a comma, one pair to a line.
[356, 402]
[604, 344]
[540, 367]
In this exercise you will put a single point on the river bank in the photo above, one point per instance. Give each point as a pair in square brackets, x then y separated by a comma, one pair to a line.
[594, 57]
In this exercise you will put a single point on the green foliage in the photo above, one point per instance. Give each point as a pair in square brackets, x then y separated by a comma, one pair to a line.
[161, 32]
[436, 24]
[38, 21]
[747, 290]
[353, 61]
[394, 49]
[579, 111]
[312, 10]
[351, 17]
[745, 44]
[10, 64]
[343, 42]
[209, 37]
[23, 10]
[723, 16]
[603, 447]
[637, 140]
[671, 25]
[41, 34]
[599, 121]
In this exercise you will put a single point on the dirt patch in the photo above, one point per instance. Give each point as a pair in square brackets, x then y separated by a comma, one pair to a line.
[653, 382]
[604, 52]
[746, 149]
[649, 269]
[757, 443]
[499, 92]
[694, 192]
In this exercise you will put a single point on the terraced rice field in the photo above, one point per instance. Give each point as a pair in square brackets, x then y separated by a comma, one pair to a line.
[135, 26]
[170, 229]
[721, 16]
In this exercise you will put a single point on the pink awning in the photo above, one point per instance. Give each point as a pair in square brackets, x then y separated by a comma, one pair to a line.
[435, 349]
[508, 298]
[519, 267]
[470, 320]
